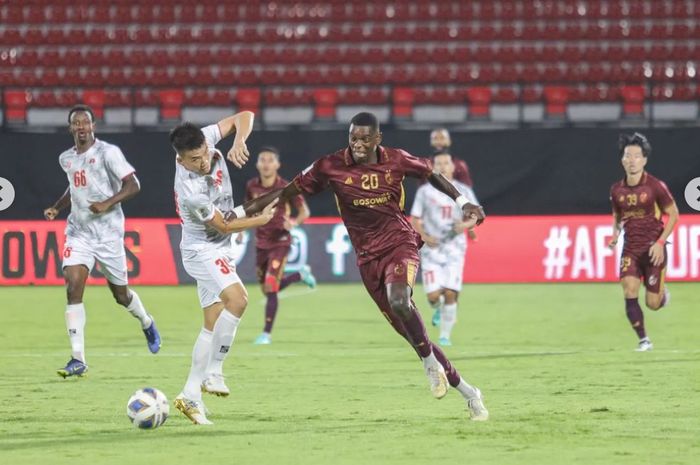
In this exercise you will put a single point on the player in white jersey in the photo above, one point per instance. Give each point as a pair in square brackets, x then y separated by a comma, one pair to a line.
[204, 200]
[440, 223]
[99, 179]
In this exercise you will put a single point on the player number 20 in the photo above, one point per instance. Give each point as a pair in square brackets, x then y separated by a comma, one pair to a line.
[370, 181]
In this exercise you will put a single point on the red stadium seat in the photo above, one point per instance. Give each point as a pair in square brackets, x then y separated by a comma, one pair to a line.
[248, 99]
[16, 103]
[95, 98]
[326, 101]
[479, 99]
[556, 98]
[403, 101]
[633, 100]
[171, 101]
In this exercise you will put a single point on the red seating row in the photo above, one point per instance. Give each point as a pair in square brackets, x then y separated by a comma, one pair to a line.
[350, 75]
[79, 34]
[505, 54]
[171, 12]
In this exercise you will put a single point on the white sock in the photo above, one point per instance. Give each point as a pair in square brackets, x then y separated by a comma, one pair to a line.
[448, 318]
[222, 339]
[200, 358]
[431, 361]
[467, 390]
[75, 323]
[136, 308]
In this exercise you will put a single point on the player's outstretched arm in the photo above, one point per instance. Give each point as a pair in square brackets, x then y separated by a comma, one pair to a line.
[439, 182]
[228, 224]
[240, 124]
[52, 212]
[130, 187]
[256, 205]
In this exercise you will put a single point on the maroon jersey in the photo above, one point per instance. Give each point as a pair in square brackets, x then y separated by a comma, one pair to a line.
[370, 197]
[639, 208]
[273, 234]
[462, 173]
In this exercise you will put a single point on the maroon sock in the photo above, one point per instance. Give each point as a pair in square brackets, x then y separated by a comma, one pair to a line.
[270, 311]
[452, 375]
[290, 279]
[636, 317]
[415, 332]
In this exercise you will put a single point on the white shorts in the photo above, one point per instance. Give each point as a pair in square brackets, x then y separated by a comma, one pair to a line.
[214, 270]
[444, 273]
[110, 255]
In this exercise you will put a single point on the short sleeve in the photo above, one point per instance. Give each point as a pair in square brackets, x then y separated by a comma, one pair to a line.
[200, 207]
[417, 208]
[415, 167]
[212, 134]
[313, 179]
[116, 163]
[663, 196]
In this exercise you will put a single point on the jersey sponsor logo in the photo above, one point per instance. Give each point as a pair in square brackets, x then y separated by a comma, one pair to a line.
[219, 178]
[372, 201]
[349, 180]
[637, 213]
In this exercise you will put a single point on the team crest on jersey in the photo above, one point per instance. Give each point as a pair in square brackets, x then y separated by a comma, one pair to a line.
[388, 178]
[652, 280]
[621, 199]
[275, 264]
[643, 197]
[92, 161]
[349, 180]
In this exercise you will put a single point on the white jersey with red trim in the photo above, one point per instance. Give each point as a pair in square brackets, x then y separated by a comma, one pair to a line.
[95, 176]
[198, 197]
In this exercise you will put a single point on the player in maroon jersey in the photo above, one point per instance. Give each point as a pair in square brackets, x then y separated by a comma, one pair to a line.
[273, 240]
[638, 201]
[366, 179]
[441, 142]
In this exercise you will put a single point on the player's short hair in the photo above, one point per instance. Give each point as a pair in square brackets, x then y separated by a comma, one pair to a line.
[271, 149]
[440, 129]
[365, 119]
[79, 108]
[186, 136]
[635, 139]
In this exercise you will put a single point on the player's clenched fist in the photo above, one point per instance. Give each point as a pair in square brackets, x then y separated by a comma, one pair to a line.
[50, 213]
[238, 155]
[473, 212]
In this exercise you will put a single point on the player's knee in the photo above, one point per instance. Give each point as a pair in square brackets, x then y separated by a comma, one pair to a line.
[653, 303]
[400, 305]
[450, 298]
[74, 292]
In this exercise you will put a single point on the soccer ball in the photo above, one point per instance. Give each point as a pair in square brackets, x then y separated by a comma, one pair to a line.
[148, 408]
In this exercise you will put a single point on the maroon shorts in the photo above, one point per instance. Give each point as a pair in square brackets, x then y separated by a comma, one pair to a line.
[269, 264]
[637, 263]
[399, 265]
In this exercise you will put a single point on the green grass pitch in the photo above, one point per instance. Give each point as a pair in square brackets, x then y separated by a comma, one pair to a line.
[338, 386]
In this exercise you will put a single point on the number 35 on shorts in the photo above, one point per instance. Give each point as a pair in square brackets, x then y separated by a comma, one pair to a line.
[223, 264]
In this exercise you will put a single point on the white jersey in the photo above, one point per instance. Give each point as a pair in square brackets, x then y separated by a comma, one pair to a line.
[95, 176]
[198, 197]
[439, 212]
